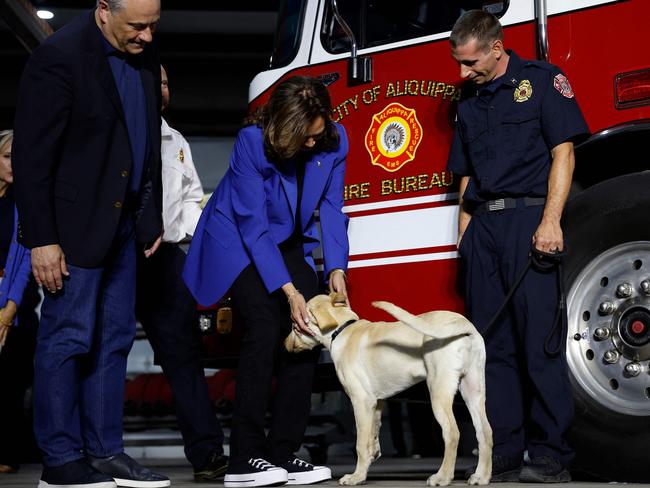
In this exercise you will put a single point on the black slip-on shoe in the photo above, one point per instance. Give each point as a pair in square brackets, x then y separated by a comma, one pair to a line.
[127, 472]
[75, 474]
[544, 469]
[214, 468]
[504, 470]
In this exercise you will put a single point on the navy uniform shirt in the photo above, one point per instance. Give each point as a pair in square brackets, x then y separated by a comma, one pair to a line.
[505, 131]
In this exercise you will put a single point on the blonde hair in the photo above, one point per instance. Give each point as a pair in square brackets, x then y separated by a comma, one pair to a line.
[6, 138]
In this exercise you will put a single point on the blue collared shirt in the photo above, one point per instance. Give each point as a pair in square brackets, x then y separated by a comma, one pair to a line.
[129, 85]
[505, 131]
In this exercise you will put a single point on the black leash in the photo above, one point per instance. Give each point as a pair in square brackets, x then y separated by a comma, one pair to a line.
[541, 261]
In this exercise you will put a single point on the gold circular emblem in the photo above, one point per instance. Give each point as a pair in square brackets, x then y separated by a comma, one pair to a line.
[524, 91]
[393, 137]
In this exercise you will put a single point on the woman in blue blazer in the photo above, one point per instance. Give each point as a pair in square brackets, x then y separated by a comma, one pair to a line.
[256, 237]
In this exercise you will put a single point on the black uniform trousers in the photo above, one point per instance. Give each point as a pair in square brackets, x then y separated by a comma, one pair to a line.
[168, 313]
[267, 323]
[529, 401]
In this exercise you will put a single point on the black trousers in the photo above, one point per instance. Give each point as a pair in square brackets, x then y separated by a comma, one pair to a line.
[529, 402]
[169, 316]
[267, 322]
[16, 376]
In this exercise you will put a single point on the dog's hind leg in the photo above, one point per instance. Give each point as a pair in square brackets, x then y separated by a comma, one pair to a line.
[472, 388]
[442, 389]
[376, 451]
[364, 416]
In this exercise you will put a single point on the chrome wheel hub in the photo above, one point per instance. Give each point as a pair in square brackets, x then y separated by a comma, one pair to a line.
[608, 344]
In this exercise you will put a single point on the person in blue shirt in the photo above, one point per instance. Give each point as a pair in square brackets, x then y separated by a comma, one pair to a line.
[87, 174]
[513, 149]
[256, 237]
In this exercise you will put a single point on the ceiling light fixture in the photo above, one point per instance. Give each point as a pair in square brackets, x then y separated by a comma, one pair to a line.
[45, 14]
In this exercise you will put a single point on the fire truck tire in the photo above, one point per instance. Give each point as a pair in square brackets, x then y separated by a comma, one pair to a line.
[607, 231]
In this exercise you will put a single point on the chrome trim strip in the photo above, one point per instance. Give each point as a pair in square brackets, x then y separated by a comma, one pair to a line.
[542, 28]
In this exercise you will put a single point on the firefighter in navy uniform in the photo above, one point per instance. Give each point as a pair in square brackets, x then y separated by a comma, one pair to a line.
[513, 148]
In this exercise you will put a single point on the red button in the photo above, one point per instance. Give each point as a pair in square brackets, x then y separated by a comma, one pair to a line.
[638, 327]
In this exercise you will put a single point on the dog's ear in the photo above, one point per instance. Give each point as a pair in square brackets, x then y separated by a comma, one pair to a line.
[324, 318]
[338, 299]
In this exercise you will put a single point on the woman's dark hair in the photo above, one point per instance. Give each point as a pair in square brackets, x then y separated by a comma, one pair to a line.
[293, 106]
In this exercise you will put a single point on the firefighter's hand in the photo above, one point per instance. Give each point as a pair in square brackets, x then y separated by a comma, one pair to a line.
[7, 315]
[548, 237]
[149, 251]
[48, 266]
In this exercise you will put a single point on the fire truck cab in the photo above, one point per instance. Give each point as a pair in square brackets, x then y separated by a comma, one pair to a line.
[394, 86]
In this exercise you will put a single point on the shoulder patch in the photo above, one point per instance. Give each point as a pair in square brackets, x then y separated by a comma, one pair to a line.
[562, 85]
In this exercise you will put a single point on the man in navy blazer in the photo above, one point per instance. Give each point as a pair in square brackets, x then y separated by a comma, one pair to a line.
[86, 161]
[221, 250]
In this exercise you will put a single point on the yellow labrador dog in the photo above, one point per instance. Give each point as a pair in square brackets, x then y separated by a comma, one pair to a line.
[376, 360]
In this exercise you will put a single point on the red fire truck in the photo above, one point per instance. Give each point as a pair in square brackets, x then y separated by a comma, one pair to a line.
[394, 87]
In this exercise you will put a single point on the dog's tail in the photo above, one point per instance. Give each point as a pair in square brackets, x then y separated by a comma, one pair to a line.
[449, 324]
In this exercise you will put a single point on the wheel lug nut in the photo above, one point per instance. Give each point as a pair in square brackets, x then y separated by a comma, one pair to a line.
[645, 287]
[611, 356]
[633, 369]
[606, 308]
[624, 290]
[577, 337]
[601, 333]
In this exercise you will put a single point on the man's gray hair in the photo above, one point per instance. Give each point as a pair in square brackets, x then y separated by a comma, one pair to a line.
[114, 5]
[479, 25]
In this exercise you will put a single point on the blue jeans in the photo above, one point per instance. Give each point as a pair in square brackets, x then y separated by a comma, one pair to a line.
[84, 338]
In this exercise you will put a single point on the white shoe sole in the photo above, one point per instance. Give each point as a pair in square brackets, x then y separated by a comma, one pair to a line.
[142, 484]
[273, 477]
[101, 484]
[319, 473]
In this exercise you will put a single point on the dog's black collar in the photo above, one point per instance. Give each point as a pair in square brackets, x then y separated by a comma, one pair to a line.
[342, 328]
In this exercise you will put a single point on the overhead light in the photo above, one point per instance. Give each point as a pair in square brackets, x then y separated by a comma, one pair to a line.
[45, 14]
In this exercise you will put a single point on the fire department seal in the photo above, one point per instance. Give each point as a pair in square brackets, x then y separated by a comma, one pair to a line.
[562, 85]
[393, 137]
[524, 91]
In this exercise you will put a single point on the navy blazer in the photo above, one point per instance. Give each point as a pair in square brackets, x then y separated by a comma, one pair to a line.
[253, 210]
[71, 152]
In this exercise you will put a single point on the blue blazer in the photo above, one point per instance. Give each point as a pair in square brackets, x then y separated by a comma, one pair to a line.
[253, 210]
[17, 271]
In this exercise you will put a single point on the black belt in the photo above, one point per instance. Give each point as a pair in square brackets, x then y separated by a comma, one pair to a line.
[510, 203]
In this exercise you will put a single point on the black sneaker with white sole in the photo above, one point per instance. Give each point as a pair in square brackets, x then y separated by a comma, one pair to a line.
[75, 474]
[254, 472]
[303, 473]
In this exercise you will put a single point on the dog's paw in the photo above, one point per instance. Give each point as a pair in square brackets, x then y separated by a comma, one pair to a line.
[352, 479]
[476, 479]
[439, 479]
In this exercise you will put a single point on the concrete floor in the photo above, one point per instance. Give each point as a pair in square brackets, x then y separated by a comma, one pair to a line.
[387, 472]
